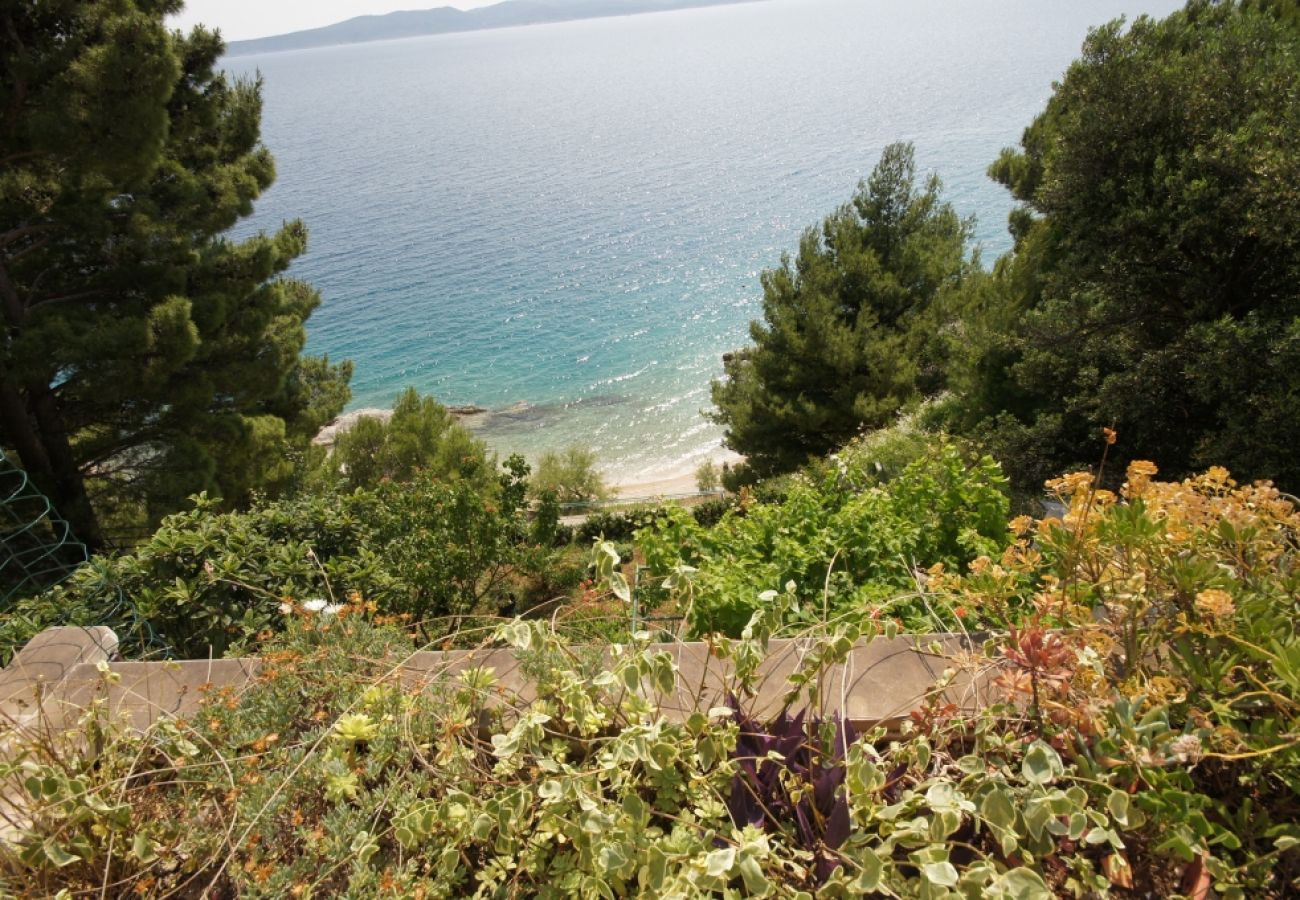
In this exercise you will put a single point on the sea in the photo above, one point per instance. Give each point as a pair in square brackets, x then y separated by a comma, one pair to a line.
[566, 224]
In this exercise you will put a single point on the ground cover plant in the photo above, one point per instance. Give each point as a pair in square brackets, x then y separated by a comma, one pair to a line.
[844, 535]
[1145, 744]
[435, 552]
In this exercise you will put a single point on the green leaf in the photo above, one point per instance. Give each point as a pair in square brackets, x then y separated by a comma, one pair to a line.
[868, 880]
[364, 846]
[998, 810]
[718, 863]
[618, 585]
[1041, 765]
[1078, 825]
[142, 848]
[612, 858]
[756, 882]
[1118, 805]
[943, 874]
[656, 868]
[1019, 884]
[665, 677]
[57, 855]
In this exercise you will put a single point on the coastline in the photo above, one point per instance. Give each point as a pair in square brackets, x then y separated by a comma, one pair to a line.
[679, 479]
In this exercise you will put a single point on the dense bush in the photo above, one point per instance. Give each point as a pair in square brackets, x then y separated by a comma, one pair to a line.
[420, 439]
[571, 475]
[621, 525]
[1157, 248]
[1145, 745]
[206, 580]
[842, 539]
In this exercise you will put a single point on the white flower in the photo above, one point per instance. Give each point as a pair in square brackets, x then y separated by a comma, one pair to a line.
[314, 605]
[286, 607]
[331, 610]
[1187, 749]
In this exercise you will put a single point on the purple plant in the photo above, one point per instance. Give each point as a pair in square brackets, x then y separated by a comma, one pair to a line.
[810, 764]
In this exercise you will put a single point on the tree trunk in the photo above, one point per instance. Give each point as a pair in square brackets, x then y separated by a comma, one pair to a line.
[69, 487]
[47, 458]
[35, 426]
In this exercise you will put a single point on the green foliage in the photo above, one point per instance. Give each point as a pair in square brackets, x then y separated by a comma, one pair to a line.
[849, 327]
[1158, 250]
[420, 439]
[571, 475]
[208, 580]
[1106, 767]
[617, 524]
[841, 540]
[707, 477]
[147, 357]
[623, 524]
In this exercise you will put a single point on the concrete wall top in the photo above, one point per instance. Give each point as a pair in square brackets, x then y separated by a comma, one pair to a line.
[881, 681]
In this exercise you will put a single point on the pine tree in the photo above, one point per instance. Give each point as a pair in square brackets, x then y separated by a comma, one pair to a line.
[849, 327]
[145, 355]
[1155, 282]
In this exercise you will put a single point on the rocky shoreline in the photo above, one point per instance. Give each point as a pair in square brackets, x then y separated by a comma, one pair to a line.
[327, 435]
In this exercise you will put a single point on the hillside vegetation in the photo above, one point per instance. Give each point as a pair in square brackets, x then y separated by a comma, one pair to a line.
[932, 446]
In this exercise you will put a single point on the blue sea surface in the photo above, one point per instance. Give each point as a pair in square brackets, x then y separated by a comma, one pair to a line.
[566, 223]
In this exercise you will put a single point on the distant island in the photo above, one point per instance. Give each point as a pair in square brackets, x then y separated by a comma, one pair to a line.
[446, 19]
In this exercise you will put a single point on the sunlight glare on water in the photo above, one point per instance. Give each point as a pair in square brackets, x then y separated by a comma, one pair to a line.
[566, 223]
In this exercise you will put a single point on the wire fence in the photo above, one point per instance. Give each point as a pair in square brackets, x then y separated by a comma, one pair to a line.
[590, 506]
[39, 551]
[37, 546]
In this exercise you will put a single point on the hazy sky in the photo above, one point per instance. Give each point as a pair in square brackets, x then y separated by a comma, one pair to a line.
[239, 19]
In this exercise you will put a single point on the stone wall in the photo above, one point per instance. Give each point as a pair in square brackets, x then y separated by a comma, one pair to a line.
[62, 671]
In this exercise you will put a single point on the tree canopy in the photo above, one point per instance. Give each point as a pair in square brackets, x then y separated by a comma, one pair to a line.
[1156, 275]
[422, 438]
[848, 330]
[146, 356]
[570, 475]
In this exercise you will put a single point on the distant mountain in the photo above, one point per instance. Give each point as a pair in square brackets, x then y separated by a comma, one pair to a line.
[444, 19]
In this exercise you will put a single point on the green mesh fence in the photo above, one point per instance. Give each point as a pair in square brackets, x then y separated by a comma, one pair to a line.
[38, 551]
[37, 547]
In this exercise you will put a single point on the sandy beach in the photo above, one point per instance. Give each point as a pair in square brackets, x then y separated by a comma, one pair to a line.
[627, 488]
[682, 482]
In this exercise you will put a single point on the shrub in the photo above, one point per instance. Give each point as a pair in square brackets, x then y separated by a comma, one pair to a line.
[420, 439]
[617, 525]
[843, 541]
[571, 475]
[208, 580]
[707, 477]
[710, 512]
[1145, 745]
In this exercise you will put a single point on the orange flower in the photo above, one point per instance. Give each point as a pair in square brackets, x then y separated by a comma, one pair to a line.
[1022, 524]
[1141, 468]
[1111, 435]
[1215, 603]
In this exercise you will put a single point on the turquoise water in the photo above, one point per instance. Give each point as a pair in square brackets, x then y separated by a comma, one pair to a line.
[566, 223]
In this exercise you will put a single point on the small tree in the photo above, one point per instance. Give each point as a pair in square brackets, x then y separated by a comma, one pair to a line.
[849, 326]
[571, 475]
[421, 438]
[707, 477]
